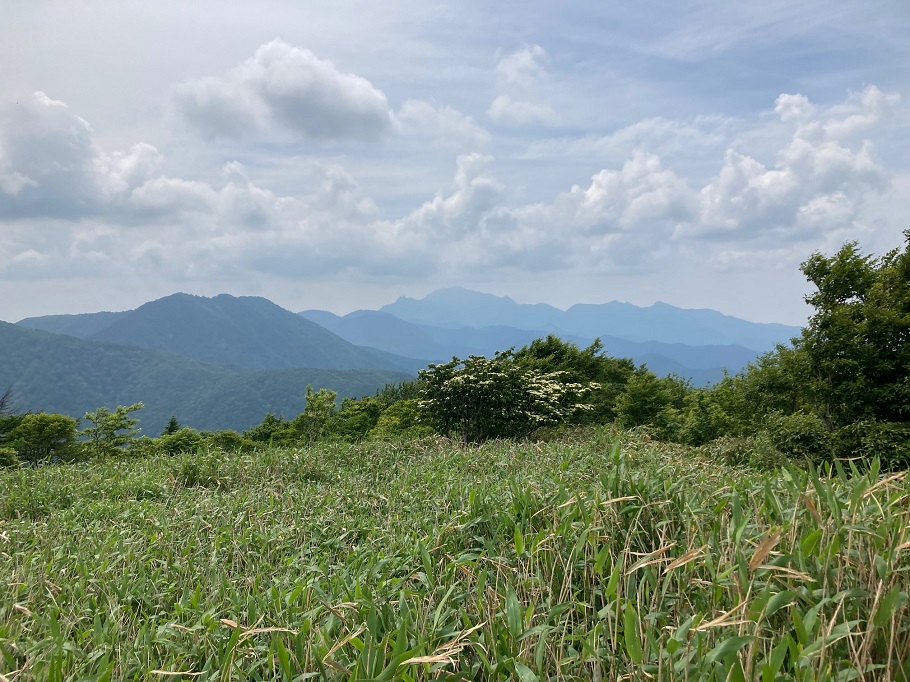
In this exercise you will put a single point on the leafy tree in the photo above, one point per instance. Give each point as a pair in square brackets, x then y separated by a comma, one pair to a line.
[857, 343]
[271, 429]
[110, 431]
[312, 424]
[648, 400]
[355, 418]
[45, 437]
[581, 366]
[482, 398]
[403, 390]
[8, 457]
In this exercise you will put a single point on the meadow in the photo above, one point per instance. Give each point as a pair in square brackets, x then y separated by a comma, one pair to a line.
[596, 555]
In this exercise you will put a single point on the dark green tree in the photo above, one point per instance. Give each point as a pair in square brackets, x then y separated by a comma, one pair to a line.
[857, 343]
[173, 426]
[45, 437]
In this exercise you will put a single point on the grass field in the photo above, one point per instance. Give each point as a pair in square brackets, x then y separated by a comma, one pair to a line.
[596, 556]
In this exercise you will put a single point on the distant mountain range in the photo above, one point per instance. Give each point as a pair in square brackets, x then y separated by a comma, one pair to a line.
[457, 307]
[224, 362]
[695, 344]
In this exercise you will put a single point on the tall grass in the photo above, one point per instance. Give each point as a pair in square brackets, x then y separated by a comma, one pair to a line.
[587, 558]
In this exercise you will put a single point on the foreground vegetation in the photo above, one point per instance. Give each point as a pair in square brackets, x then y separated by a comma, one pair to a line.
[597, 555]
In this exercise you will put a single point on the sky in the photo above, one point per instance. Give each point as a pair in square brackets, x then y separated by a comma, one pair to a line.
[338, 155]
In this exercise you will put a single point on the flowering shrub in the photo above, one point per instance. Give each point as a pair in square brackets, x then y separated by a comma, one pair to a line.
[481, 398]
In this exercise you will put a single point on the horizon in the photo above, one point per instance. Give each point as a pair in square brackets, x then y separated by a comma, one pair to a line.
[339, 156]
[435, 291]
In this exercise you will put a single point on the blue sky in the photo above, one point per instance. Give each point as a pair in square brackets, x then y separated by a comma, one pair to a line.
[338, 155]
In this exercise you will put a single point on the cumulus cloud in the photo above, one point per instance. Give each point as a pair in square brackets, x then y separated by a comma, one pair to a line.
[818, 167]
[118, 211]
[520, 77]
[445, 126]
[286, 87]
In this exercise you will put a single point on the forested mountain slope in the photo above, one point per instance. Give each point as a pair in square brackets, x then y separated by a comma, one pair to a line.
[247, 333]
[57, 373]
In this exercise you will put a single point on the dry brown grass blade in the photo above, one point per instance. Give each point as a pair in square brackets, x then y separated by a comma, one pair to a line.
[22, 609]
[810, 505]
[884, 483]
[445, 652]
[325, 659]
[792, 572]
[691, 555]
[763, 550]
[615, 500]
[655, 557]
[723, 619]
[169, 673]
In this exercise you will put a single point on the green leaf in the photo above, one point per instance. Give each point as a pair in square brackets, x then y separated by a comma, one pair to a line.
[890, 603]
[525, 674]
[630, 634]
[513, 614]
[727, 647]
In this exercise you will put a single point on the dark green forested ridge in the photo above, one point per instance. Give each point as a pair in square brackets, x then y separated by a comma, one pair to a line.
[57, 373]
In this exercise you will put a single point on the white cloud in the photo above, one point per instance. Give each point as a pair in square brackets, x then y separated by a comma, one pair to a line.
[445, 126]
[520, 77]
[289, 88]
[638, 214]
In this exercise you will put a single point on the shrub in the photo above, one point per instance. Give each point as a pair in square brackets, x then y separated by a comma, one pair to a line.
[800, 434]
[45, 437]
[401, 421]
[888, 441]
[230, 441]
[8, 458]
[183, 440]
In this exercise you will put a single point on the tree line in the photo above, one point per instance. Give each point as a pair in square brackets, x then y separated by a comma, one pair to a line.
[839, 390]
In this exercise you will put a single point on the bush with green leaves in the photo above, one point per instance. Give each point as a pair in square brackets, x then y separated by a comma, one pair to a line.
[482, 398]
[657, 402]
[606, 375]
[45, 437]
[229, 441]
[182, 441]
[8, 458]
[110, 432]
[401, 421]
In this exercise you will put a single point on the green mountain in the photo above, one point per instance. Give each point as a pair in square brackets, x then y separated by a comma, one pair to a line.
[57, 373]
[245, 333]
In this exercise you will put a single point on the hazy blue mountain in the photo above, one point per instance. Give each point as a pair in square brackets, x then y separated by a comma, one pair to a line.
[456, 307]
[703, 364]
[58, 373]
[81, 326]
[247, 333]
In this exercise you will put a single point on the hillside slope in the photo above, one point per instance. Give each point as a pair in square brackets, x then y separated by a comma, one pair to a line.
[246, 333]
[57, 373]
